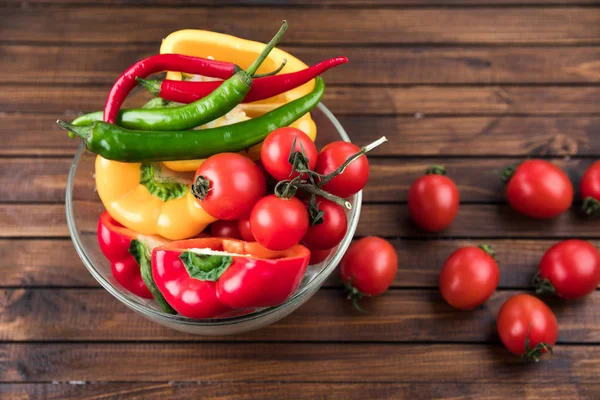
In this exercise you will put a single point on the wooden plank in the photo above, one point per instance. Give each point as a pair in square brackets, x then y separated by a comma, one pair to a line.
[312, 3]
[390, 220]
[453, 25]
[478, 180]
[397, 316]
[275, 362]
[42, 262]
[409, 136]
[300, 391]
[368, 65]
[350, 100]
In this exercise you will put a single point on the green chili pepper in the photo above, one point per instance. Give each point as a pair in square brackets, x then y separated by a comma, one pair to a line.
[116, 143]
[228, 95]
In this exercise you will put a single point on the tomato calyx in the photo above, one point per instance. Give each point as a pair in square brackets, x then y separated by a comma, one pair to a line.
[201, 187]
[354, 295]
[591, 207]
[488, 249]
[508, 172]
[543, 285]
[436, 170]
[315, 214]
[537, 351]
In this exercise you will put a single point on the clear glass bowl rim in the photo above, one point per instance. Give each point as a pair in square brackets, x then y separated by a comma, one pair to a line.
[177, 319]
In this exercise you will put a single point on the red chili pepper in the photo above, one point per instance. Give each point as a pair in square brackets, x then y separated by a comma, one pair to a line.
[159, 63]
[262, 88]
[205, 278]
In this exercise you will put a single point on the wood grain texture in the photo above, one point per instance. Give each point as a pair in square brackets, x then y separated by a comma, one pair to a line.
[38, 135]
[311, 3]
[52, 263]
[350, 100]
[275, 362]
[300, 391]
[390, 220]
[478, 180]
[368, 65]
[344, 26]
[418, 316]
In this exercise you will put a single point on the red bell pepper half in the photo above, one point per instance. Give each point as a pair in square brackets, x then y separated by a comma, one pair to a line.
[129, 256]
[205, 278]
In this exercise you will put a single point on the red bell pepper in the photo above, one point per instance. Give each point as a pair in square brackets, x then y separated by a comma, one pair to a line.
[129, 256]
[205, 278]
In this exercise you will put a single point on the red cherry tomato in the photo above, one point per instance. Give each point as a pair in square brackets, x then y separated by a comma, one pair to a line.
[235, 183]
[317, 256]
[244, 228]
[469, 277]
[369, 266]
[433, 200]
[276, 150]
[331, 231]
[527, 326]
[590, 190]
[353, 179]
[227, 229]
[571, 269]
[278, 224]
[539, 189]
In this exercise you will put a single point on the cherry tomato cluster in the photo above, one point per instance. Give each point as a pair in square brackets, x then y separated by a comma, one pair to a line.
[307, 205]
[569, 269]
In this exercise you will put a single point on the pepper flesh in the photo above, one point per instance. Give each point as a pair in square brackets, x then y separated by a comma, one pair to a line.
[262, 88]
[119, 144]
[158, 63]
[115, 243]
[131, 204]
[255, 276]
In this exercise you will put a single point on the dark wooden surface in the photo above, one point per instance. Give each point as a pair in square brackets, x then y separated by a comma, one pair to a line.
[472, 84]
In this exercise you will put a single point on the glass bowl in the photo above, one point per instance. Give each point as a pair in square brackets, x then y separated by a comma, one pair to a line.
[84, 207]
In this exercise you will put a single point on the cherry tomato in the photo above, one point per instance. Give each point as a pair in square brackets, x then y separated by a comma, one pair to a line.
[317, 256]
[228, 229]
[469, 277]
[571, 269]
[539, 189]
[433, 200]
[369, 266]
[590, 190]
[278, 224]
[331, 231]
[353, 179]
[244, 228]
[527, 326]
[275, 152]
[235, 183]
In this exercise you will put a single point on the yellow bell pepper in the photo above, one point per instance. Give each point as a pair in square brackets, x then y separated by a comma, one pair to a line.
[242, 52]
[131, 204]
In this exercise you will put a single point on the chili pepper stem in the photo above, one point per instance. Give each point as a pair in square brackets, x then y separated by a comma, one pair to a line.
[278, 70]
[364, 150]
[263, 55]
[151, 85]
[83, 132]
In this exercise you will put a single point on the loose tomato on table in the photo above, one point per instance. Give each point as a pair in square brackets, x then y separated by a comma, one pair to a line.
[368, 268]
[329, 229]
[227, 229]
[538, 189]
[227, 185]
[570, 269]
[205, 278]
[590, 190]
[469, 277]
[527, 327]
[278, 223]
[277, 148]
[433, 200]
[128, 253]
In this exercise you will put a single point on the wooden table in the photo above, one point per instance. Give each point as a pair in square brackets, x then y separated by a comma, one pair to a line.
[474, 85]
